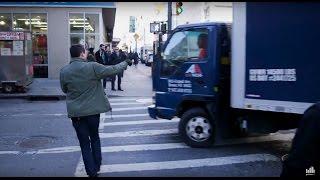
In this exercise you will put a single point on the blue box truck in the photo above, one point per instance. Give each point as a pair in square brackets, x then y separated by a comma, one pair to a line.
[258, 74]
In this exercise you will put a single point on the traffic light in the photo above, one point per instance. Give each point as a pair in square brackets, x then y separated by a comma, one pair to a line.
[179, 9]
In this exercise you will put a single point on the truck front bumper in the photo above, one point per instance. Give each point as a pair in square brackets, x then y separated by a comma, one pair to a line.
[165, 113]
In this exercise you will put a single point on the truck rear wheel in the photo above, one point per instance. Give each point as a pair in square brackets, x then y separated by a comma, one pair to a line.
[196, 129]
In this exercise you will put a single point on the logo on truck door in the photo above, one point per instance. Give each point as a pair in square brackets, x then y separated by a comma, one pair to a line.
[194, 71]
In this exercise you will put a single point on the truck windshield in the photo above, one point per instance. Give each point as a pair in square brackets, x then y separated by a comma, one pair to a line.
[188, 45]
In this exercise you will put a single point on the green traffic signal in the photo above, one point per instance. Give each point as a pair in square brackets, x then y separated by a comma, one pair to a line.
[179, 9]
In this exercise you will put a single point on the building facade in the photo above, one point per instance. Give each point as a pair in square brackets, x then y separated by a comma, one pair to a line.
[141, 14]
[55, 26]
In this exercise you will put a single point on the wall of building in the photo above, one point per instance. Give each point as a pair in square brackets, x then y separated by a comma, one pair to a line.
[216, 12]
[58, 34]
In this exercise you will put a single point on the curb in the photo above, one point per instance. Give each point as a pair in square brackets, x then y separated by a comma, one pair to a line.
[41, 97]
[32, 97]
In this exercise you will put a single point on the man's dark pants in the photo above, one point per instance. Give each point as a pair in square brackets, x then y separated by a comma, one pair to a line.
[87, 129]
[113, 79]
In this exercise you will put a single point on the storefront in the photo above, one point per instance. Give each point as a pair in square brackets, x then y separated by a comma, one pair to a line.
[55, 26]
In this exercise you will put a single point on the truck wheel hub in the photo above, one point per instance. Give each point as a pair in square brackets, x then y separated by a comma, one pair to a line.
[198, 129]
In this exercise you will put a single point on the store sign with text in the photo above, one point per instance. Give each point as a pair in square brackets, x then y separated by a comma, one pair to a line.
[11, 36]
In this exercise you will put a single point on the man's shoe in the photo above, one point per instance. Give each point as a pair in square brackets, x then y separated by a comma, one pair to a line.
[113, 89]
[120, 90]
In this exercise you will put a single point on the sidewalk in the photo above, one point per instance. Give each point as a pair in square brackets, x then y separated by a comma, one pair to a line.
[39, 88]
[135, 82]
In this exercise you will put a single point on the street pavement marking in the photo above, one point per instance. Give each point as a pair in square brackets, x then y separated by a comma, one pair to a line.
[127, 99]
[145, 147]
[138, 133]
[153, 121]
[192, 163]
[64, 114]
[127, 103]
[9, 152]
[80, 169]
[103, 115]
[149, 100]
[129, 108]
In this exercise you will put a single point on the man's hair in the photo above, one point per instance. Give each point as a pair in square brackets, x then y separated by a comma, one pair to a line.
[76, 50]
[102, 45]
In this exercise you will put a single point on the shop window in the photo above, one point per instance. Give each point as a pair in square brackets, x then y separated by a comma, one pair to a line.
[76, 22]
[92, 41]
[39, 44]
[92, 23]
[5, 22]
[76, 39]
[21, 22]
[84, 29]
[39, 23]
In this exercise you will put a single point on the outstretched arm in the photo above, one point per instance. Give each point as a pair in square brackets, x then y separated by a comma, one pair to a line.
[102, 71]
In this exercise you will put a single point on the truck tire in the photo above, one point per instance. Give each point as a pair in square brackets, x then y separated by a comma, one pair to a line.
[196, 129]
[8, 88]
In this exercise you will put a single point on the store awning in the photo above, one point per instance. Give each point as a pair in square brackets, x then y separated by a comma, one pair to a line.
[59, 4]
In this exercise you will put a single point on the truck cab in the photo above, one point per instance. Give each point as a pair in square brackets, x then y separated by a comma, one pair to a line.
[189, 76]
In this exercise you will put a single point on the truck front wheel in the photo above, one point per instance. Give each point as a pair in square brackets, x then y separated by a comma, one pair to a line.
[196, 129]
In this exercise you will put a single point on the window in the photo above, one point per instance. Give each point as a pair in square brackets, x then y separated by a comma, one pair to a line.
[21, 22]
[184, 46]
[84, 29]
[5, 22]
[39, 29]
[37, 24]
[187, 45]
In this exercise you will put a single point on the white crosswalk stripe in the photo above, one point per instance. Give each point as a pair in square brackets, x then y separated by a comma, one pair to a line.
[129, 108]
[138, 133]
[139, 122]
[131, 120]
[103, 115]
[192, 163]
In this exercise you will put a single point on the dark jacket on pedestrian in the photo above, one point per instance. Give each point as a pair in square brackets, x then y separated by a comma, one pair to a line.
[101, 57]
[91, 56]
[305, 149]
[81, 81]
[115, 59]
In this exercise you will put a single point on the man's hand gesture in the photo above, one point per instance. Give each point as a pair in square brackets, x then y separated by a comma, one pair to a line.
[129, 61]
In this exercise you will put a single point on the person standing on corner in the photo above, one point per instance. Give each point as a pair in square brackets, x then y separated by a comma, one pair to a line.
[101, 58]
[91, 56]
[117, 57]
[85, 99]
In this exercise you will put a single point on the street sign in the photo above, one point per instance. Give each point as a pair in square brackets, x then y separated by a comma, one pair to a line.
[154, 27]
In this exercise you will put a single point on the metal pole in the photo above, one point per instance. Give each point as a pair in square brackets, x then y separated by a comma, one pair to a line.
[169, 17]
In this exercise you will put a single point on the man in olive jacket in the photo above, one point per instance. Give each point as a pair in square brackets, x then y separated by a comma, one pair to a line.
[81, 81]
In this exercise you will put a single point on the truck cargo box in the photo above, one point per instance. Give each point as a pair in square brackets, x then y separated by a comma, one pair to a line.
[275, 56]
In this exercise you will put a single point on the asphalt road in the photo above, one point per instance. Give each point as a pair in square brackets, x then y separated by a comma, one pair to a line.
[37, 139]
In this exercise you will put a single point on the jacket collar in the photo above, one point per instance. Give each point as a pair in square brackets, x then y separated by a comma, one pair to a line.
[76, 59]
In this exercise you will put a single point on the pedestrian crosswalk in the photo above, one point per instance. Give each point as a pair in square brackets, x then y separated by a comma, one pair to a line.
[120, 156]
